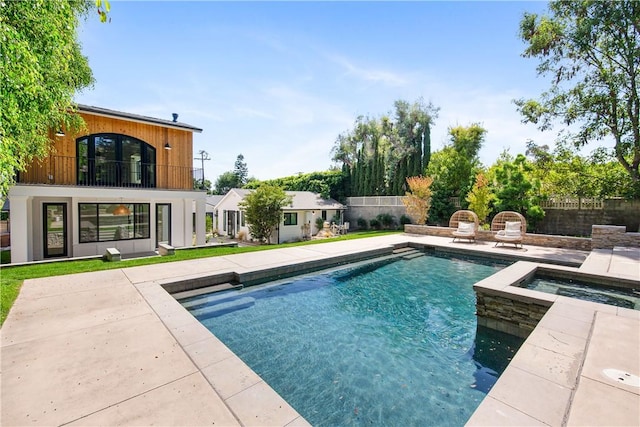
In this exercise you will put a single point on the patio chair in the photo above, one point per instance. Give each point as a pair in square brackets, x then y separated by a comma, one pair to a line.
[510, 227]
[465, 224]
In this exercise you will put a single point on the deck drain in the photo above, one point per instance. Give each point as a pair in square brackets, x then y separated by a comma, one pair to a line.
[622, 377]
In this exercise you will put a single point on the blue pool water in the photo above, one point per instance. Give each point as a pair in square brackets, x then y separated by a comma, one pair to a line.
[620, 297]
[388, 343]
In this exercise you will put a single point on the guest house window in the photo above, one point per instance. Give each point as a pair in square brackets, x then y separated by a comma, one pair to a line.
[99, 224]
[291, 218]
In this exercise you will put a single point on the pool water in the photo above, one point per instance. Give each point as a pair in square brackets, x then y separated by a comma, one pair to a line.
[619, 297]
[388, 343]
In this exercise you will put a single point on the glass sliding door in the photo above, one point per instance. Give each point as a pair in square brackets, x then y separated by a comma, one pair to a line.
[55, 229]
[163, 223]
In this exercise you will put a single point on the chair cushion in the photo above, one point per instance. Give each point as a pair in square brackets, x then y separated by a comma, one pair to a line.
[466, 227]
[512, 228]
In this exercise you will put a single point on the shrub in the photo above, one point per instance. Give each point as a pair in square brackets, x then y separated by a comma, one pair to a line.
[362, 224]
[375, 224]
[404, 219]
[319, 223]
[387, 220]
[242, 235]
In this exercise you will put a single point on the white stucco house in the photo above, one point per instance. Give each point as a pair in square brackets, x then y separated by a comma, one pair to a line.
[125, 182]
[303, 212]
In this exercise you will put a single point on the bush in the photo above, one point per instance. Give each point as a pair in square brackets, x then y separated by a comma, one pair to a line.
[404, 219]
[242, 235]
[362, 224]
[387, 220]
[375, 224]
[319, 223]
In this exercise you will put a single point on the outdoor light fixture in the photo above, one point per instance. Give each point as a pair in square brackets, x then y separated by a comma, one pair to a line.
[121, 210]
[167, 146]
[59, 132]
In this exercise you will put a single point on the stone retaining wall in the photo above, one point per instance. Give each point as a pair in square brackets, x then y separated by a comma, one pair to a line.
[566, 242]
[608, 236]
[507, 314]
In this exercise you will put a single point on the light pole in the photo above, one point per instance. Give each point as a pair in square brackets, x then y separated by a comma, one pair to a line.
[203, 156]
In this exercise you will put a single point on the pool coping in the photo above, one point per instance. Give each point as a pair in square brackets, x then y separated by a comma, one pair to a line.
[248, 400]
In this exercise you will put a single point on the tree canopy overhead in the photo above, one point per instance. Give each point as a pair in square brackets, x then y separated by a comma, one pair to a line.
[41, 70]
[591, 51]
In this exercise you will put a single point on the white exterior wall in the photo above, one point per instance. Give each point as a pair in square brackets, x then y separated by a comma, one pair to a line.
[230, 203]
[27, 222]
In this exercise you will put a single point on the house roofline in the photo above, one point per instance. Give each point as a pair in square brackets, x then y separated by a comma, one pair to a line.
[105, 112]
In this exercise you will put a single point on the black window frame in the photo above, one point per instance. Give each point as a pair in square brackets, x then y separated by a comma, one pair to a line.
[293, 218]
[137, 212]
[87, 167]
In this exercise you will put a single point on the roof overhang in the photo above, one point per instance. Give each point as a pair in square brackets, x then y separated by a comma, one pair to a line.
[105, 112]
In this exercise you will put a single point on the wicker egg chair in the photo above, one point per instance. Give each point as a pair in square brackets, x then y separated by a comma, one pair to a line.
[510, 227]
[465, 224]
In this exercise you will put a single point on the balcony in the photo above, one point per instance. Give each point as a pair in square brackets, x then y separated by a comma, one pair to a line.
[63, 170]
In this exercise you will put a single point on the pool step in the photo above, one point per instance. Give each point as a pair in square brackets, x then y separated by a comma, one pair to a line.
[412, 255]
[215, 310]
[206, 290]
[403, 250]
[408, 252]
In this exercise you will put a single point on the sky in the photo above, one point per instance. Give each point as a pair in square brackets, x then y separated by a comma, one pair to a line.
[278, 81]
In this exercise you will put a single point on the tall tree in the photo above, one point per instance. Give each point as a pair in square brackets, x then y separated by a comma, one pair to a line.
[240, 170]
[591, 51]
[263, 210]
[382, 152]
[42, 68]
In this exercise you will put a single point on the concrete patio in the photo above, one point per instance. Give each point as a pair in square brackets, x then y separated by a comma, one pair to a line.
[114, 348]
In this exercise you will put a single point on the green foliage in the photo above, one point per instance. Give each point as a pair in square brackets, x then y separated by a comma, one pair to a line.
[378, 154]
[226, 182]
[404, 220]
[515, 190]
[208, 223]
[362, 224]
[454, 168]
[41, 70]
[319, 223]
[386, 220]
[241, 171]
[375, 224]
[263, 210]
[591, 52]
[329, 184]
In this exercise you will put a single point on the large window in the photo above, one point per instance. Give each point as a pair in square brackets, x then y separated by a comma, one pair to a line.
[116, 161]
[99, 224]
[291, 218]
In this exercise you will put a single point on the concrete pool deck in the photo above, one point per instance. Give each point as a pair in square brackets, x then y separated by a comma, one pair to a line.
[114, 348]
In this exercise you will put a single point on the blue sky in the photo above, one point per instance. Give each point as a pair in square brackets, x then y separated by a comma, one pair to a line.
[279, 81]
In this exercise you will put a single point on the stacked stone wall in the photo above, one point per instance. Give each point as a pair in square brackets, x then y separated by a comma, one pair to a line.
[565, 242]
[609, 236]
[508, 315]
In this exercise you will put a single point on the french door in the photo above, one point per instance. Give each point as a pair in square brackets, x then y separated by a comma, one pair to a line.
[54, 229]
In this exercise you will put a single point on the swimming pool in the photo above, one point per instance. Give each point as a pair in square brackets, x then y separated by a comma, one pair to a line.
[386, 343]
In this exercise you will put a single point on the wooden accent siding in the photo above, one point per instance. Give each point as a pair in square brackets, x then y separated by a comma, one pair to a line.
[173, 167]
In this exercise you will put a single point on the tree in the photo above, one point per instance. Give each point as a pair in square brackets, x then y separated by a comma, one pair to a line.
[381, 152]
[226, 182]
[591, 50]
[41, 70]
[263, 210]
[240, 170]
[515, 190]
[418, 199]
[480, 198]
[453, 169]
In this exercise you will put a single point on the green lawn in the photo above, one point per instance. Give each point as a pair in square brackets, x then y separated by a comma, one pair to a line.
[11, 278]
